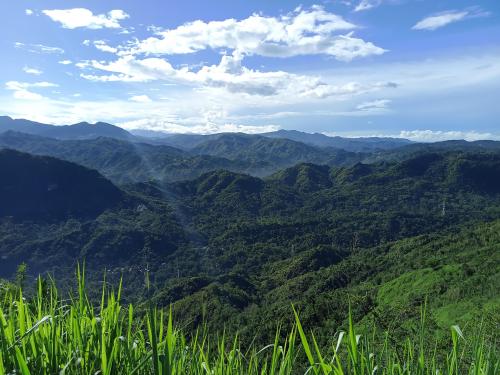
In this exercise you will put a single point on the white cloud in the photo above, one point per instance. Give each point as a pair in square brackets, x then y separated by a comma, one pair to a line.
[439, 20]
[204, 128]
[347, 90]
[101, 45]
[38, 48]
[437, 136]
[65, 62]
[21, 89]
[230, 75]
[302, 32]
[33, 71]
[81, 17]
[367, 4]
[425, 94]
[374, 106]
[140, 99]
[28, 12]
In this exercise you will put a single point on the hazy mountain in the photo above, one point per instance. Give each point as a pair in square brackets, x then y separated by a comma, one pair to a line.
[189, 141]
[150, 134]
[412, 150]
[278, 152]
[82, 130]
[365, 144]
[125, 161]
[369, 144]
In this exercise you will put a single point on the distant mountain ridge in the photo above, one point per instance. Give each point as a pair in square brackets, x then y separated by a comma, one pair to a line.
[82, 130]
[126, 161]
[122, 161]
[362, 144]
[280, 152]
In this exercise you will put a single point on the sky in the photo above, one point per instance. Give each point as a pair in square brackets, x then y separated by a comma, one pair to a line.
[425, 70]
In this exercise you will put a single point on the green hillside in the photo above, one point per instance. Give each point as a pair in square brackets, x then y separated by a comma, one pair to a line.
[54, 213]
[233, 252]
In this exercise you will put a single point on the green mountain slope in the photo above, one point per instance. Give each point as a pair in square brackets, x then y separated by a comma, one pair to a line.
[235, 250]
[315, 235]
[278, 152]
[125, 161]
[457, 272]
[41, 188]
[54, 213]
[365, 144]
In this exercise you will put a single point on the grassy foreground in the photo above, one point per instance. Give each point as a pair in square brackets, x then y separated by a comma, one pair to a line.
[50, 335]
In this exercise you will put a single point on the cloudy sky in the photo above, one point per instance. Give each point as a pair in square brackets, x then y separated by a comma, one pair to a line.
[421, 69]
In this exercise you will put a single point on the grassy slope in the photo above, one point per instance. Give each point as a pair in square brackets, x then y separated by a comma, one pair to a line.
[49, 335]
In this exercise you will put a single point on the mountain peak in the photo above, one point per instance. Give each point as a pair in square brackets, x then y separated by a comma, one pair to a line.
[305, 177]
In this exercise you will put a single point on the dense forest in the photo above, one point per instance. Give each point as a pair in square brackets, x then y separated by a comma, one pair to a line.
[232, 230]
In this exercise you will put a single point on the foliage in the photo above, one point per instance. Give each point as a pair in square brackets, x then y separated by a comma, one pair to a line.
[233, 251]
[50, 335]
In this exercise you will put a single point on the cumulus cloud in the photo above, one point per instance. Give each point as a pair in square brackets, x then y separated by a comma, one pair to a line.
[33, 71]
[228, 74]
[38, 48]
[437, 136]
[140, 99]
[22, 89]
[28, 12]
[442, 19]
[430, 82]
[302, 32]
[65, 62]
[82, 17]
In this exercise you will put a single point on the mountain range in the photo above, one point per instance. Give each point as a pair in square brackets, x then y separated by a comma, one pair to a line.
[235, 228]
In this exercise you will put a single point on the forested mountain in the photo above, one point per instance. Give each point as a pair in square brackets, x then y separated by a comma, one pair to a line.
[53, 213]
[313, 236]
[125, 161]
[40, 188]
[235, 250]
[412, 150]
[363, 144]
[277, 152]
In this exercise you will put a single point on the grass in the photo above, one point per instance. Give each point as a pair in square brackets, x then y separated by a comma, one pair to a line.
[52, 335]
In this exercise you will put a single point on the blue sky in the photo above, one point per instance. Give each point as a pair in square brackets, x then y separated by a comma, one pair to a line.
[421, 69]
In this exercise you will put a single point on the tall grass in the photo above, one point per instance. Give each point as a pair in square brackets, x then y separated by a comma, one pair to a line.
[51, 335]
